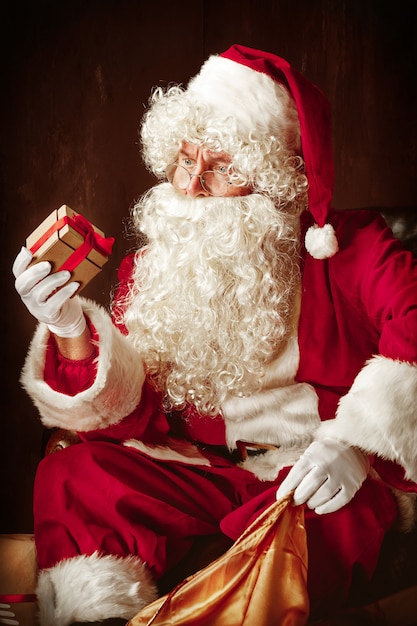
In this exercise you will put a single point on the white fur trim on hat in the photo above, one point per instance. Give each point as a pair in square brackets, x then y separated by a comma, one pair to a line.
[256, 102]
[93, 588]
[321, 242]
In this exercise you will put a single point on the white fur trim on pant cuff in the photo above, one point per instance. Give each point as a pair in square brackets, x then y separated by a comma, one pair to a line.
[321, 242]
[93, 588]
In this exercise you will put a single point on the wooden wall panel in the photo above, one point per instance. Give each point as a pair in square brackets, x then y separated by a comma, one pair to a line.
[78, 75]
[75, 77]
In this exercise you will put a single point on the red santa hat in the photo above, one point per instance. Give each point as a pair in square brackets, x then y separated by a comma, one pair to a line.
[242, 82]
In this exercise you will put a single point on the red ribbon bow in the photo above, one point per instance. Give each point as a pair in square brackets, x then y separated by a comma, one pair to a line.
[92, 240]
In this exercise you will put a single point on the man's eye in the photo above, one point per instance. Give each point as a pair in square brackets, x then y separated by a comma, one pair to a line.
[223, 169]
[187, 163]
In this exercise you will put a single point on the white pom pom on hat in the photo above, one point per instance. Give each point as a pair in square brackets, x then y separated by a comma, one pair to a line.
[321, 241]
[249, 97]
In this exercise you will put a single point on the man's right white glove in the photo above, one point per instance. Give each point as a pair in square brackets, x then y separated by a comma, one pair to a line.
[46, 298]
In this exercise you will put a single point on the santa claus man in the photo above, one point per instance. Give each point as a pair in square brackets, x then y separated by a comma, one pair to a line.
[252, 312]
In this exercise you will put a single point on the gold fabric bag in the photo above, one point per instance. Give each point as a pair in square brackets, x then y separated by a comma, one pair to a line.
[261, 580]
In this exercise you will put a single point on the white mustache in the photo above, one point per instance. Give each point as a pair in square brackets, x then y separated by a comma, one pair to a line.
[167, 214]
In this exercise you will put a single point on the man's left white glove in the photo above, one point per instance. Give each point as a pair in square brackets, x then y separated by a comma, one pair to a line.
[327, 476]
[48, 297]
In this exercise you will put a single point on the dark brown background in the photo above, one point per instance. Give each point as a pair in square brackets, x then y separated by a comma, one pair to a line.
[75, 78]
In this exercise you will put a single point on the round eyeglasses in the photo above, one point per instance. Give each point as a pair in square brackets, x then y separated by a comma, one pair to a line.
[213, 182]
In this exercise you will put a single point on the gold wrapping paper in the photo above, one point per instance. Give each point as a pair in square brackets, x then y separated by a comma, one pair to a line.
[261, 579]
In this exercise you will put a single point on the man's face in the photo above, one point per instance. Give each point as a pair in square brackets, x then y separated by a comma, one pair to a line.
[199, 171]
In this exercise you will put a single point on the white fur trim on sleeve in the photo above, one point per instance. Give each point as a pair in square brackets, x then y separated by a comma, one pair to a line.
[379, 414]
[93, 588]
[115, 392]
[321, 242]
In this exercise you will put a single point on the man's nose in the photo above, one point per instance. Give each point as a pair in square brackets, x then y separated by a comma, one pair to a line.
[195, 188]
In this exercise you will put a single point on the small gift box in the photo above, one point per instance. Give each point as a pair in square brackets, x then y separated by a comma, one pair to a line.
[70, 242]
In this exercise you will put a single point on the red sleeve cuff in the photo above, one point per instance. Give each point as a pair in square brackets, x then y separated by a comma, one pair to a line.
[66, 375]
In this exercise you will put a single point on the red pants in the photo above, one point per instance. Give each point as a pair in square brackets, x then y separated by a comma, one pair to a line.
[102, 496]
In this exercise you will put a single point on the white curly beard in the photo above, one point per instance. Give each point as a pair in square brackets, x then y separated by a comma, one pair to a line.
[213, 293]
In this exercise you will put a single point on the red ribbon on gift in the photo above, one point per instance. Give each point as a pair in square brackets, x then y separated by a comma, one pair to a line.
[92, 239]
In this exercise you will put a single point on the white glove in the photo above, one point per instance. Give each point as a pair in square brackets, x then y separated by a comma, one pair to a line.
[327, 476]
[36, 286]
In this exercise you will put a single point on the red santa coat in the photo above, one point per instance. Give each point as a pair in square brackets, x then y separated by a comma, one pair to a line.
[356, 338]
[358, 342]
